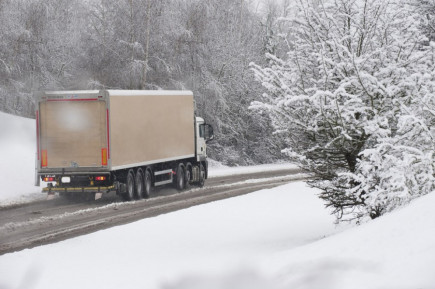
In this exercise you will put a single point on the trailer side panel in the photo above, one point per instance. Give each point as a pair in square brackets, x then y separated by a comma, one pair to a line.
[150, 126]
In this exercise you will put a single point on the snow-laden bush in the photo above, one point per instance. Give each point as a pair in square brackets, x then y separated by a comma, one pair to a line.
[399, 168]
[353, 99]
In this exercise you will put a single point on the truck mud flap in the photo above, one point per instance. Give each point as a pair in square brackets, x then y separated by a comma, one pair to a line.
[50, 195]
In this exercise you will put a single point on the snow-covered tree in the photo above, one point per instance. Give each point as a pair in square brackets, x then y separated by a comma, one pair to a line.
[401, 166]
[354, 80]
[427, 10]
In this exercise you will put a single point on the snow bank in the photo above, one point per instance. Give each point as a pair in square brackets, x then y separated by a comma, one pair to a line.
[218, 170]
[276, 238]
[17, 159]
[215, 238]
[394, 251]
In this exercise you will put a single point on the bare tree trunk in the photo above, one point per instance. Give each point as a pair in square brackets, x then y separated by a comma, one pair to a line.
[147, 45]
[131, 43]
[241, 20]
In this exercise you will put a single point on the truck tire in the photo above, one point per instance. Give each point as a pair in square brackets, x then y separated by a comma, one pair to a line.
[129, 194]
[201, 175]
[148, 182]
[188, 175]
[180, 178]
[139, 184]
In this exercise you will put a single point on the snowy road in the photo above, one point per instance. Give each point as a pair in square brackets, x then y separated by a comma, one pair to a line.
[37, 223]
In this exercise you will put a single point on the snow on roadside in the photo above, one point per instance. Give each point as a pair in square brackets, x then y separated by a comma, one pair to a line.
[215, 238]
[394, 251]
[17, 156]
[276, 238]
[221, 170]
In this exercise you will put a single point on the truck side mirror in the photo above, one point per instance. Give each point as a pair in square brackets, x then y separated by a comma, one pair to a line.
[208, 132]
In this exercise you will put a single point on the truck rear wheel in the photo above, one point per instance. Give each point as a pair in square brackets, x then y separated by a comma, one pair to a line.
[139, 184]
[129, 194]
[188, 175]
[180, 184]
[148, 184]
[201, 175]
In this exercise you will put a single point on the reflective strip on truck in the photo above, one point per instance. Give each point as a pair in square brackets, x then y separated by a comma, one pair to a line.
[43, 158]
[104, 156]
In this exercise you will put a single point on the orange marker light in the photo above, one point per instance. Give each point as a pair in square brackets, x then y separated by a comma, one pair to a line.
[104, 157]
[44, 158]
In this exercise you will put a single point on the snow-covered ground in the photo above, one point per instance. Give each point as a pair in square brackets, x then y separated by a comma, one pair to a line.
[218, 170]
[276, 238]
[216, 238]
[17, 159]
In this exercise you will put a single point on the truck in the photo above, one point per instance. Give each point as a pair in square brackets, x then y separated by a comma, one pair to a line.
[127, 141]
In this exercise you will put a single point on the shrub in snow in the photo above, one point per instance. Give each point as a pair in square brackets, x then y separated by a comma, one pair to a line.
[398, 168]
[352, 100]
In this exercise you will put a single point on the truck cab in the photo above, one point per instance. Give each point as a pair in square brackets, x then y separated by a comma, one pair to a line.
[204, 133]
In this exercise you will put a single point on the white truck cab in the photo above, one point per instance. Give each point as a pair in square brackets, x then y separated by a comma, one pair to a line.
[204, 133]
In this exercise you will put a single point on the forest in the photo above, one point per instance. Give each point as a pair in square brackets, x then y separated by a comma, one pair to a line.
[203, 46]
[344, 88]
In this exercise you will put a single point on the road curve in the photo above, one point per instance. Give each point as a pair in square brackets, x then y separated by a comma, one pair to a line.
[44, 222]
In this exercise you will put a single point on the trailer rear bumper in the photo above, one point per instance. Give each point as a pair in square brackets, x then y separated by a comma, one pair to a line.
[55, 189]
[98, 190]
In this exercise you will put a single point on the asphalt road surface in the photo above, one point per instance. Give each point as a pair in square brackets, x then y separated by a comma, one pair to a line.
[43, 222]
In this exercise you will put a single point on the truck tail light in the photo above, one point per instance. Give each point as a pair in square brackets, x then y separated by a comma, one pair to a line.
[100, 178]
[104, 157]
[43, 158]
[48, 179]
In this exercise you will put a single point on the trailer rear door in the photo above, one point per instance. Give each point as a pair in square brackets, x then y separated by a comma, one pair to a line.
[73, 133]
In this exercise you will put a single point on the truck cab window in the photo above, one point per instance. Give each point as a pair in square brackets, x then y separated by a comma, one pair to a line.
[201, 130]
[206, 132]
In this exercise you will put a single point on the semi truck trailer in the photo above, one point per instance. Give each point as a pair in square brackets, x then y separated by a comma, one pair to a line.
[119, 140]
